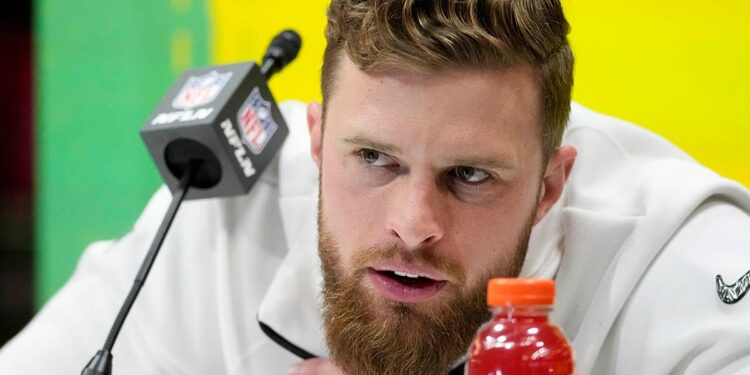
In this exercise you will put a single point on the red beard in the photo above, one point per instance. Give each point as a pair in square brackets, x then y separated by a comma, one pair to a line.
[368, 335]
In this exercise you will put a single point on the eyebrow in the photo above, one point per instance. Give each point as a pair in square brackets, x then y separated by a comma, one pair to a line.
[368, 143]
[483, 163]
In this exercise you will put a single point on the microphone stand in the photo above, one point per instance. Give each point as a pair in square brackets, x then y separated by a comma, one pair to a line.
[101, 363]
[283, 49]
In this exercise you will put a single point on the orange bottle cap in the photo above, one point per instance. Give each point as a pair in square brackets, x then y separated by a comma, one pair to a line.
[520, 292]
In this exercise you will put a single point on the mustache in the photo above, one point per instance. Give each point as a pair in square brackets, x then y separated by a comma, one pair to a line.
[422, 256]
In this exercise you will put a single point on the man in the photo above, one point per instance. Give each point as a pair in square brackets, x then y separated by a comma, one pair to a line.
[437, 153]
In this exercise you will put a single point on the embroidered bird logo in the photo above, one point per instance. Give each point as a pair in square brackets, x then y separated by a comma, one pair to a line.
[732, 293]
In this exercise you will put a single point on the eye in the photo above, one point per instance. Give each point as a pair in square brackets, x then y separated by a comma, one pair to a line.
[470, 175]
[375, 158]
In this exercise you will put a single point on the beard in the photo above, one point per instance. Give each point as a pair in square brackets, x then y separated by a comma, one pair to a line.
[368, 335]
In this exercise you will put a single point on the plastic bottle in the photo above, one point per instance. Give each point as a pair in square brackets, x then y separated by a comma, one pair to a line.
[519, 339]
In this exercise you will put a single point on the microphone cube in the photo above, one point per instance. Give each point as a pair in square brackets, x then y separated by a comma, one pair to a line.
[222, 117]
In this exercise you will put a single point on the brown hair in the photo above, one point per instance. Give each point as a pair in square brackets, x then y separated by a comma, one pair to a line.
[440, 35]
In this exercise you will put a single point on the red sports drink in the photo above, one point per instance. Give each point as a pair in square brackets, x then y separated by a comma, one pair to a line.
[520, 340]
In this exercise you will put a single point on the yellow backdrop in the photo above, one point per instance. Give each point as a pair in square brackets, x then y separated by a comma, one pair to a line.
[678, 67]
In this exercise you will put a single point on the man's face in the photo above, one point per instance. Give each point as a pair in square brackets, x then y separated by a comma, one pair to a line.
[430, 184]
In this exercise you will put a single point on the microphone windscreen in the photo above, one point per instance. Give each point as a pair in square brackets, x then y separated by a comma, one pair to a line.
[284, 48]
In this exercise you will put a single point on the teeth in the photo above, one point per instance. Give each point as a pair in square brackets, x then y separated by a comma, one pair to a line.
[404, 274]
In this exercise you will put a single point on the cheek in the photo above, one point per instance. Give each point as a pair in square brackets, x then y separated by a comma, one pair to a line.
[489, 235]
[350, 211]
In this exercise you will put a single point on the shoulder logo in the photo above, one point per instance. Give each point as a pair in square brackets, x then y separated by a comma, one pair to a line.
[732, 293]
[201, 90]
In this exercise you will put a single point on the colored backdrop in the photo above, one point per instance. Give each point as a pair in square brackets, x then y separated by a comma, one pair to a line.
[101, 68]
[676, 67]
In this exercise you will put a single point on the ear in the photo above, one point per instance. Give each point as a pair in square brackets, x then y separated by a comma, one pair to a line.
[315, 127]
[553, 182]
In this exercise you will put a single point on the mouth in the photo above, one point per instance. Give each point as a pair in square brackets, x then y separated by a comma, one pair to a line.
[404, 287]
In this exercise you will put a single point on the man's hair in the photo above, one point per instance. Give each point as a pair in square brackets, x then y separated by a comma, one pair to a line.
[442, 35]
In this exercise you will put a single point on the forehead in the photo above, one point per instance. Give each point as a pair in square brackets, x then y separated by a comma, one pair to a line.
[501, 105]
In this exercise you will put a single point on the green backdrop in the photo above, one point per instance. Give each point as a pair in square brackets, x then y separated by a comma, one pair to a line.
[102, 66]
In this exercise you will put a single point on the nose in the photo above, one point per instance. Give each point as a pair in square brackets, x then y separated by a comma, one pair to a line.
[416, 214]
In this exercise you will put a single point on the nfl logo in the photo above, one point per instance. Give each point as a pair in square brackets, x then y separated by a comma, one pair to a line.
[256, 122]
[201, 90]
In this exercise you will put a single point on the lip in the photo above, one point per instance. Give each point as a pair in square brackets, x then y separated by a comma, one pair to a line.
[397, 292]
[410, 268]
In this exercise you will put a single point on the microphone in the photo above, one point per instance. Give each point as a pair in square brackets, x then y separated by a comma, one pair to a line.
[225, 119]
[212, 135]
[282, 51]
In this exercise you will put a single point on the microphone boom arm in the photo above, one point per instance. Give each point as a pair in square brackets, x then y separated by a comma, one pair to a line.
[101, 363]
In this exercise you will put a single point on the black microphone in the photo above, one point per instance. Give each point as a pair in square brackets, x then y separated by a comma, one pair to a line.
[282, 51]
[223, 117]
[213, 134]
